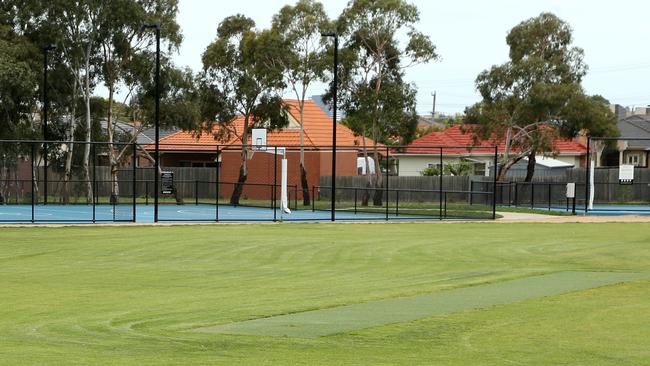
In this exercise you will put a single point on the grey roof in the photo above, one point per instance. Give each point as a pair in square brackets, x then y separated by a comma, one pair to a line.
[637, 126]
[318, 99]
[148, 135]
[145, 137]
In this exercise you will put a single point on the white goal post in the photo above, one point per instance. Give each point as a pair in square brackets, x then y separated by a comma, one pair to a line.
[259, 143]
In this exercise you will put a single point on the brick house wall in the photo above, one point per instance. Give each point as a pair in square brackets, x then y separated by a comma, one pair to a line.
[261, 169]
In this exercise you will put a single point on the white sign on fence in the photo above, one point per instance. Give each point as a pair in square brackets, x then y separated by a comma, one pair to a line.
[570, 190]
[626, 173]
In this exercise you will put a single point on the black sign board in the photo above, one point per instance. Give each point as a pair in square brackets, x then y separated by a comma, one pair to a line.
[167, 182]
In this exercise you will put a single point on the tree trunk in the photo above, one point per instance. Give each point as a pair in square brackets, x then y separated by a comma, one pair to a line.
[86, 159]
[67, 173]
[306, 201]
[303, 172]
[365, 197]
[530, 169]
[506, 167]
[115, 188]
[35, 180]
[377, 199]
[239, 187]
[243, 171]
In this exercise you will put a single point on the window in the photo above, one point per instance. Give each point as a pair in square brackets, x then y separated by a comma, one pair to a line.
[633, 159]
[479, 169]
[197, 164]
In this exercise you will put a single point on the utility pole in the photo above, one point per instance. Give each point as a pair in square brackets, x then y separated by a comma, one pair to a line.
[433, 112]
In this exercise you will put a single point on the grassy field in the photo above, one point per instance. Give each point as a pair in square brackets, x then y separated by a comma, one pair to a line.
[137, 295]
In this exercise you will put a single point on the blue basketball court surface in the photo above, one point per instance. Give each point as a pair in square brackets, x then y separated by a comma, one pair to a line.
[604, 210]
[54, 213]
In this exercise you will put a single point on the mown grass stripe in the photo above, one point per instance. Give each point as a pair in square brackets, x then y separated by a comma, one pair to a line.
[342, 319]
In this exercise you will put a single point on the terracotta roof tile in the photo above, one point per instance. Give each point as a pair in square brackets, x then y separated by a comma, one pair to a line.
[318, 133]
[463, 140]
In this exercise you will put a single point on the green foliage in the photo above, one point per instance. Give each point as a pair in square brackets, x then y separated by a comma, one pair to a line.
[19, 81]
[380, 104]
[536, 97]
[236, 81]
[180, 100]
[302, 56]
[430, 171]
[240, 79]
[459, 169]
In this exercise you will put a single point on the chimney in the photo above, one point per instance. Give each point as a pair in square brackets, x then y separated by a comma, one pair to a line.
[619, 112]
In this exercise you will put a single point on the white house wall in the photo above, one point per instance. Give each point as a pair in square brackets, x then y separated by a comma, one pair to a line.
[411, 166]
[573, 160]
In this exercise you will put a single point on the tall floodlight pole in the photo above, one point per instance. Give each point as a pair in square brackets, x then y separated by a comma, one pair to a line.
[156, 26]
[45, 112]
[335, 99]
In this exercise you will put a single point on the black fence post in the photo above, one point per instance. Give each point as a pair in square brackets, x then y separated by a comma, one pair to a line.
[33, 182]
[387, 179]
[216, 199]
[355, 200]
[397, 202]
[516, 194]
[442, 168]
[313, 198]
[532, 195]
[45, 167]
[494, 183]
[588, 175]
[550, 193]
[573, 210]
[146, 192]
[196, 192]
[275, 182]
[134, 181]
[445, 211]
[471, 194]
[94, 186]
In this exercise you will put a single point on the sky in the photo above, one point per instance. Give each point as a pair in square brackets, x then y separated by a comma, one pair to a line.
[470, 37]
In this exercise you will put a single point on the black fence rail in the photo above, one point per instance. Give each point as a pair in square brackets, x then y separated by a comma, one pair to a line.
[552, 196]
[55, 181]
[431, 204]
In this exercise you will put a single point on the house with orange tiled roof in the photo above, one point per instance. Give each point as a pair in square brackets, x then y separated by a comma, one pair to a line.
[456, 144]
[187, 149]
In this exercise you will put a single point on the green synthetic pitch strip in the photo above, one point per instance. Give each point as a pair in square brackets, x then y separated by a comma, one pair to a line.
[318, 323]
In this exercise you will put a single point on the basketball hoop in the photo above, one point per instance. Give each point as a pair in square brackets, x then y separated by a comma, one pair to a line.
[258, 139]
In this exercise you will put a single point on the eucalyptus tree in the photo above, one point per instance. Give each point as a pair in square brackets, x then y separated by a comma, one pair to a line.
[236, 83]
[536, 97]
[121, 40]
[303, 59]
[18, 99]
[374, 59]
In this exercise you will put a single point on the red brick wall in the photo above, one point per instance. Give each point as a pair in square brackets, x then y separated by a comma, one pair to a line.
[346, 163]
[261, 170]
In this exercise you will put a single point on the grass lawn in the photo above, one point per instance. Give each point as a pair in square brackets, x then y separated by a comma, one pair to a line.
[138, 295]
